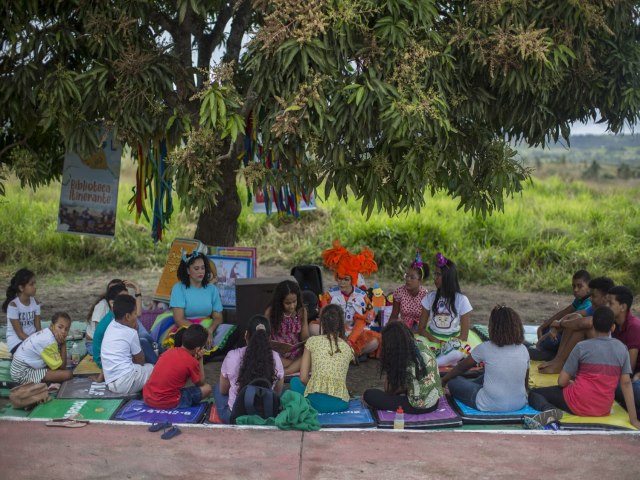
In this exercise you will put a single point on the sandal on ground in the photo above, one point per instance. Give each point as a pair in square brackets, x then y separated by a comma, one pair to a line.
[68, 422]
[156, 427]
[542, 419]
[170, 433]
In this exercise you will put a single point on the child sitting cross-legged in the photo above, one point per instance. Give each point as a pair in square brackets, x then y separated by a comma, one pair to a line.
[42, 356]
[589, 378]
[166, 386]
[328, 356]
[122, 357]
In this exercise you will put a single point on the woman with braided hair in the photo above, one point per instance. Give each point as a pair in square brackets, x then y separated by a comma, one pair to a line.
[411, 374]
[328, 355]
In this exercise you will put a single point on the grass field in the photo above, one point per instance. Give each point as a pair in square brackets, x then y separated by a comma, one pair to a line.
[555, 227]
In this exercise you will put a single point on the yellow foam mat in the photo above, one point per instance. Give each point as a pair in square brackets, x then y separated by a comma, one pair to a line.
[619, 418]
[537, 379]
[86, 367]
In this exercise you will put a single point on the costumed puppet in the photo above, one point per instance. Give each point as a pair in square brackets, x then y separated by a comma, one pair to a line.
[358, 311]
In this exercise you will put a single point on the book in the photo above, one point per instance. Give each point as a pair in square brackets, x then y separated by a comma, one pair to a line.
[282, 347]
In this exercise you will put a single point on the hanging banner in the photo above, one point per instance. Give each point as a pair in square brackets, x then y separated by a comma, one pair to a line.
[89, 196]
[259, 204]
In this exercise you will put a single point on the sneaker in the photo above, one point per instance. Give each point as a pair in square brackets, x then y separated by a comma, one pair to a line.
[549, 416]
[530, 423]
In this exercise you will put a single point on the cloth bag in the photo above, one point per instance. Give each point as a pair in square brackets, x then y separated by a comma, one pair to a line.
[29, 395]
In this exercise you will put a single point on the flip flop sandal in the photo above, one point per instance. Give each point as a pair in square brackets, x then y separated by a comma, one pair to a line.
[67, 422]
[170, 433]
[156, 427]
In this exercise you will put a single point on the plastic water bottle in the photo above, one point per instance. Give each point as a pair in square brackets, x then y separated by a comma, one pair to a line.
[75, 353]
[398, 421]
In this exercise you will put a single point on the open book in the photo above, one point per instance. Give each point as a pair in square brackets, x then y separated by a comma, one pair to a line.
[282, 347]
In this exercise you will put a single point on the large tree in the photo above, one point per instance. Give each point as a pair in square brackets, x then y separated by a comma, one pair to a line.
[383, 100]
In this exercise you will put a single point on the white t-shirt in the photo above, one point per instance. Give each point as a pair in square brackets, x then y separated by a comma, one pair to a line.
[505, 369]
[99, 311]
[119, 344]
[443, 321]
[26, 314]
[30, 351]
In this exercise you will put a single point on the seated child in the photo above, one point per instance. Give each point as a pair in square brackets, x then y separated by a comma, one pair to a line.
[123, 363]
[97, 313]
[407, 299]
[146, 342]
[627, 331]
[42, 356]
[411, 374]
[328, 355]
[587, 383]
[446, 312]
[244, 365]
[549, 335]
[289, 325]
[502, 388]
[576, 326]
[166, 386]
[22, 308]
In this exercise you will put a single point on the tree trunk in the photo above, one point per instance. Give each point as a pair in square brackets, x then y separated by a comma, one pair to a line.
[219, 227]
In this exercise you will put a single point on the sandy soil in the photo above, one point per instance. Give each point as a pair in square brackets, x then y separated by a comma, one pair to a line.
[75, 295]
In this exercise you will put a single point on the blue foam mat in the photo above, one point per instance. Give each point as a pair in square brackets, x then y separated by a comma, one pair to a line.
[356, 416]
[472, 416]
[137, 411]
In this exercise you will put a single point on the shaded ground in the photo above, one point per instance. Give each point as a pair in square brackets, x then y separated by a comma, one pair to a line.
[75, 295]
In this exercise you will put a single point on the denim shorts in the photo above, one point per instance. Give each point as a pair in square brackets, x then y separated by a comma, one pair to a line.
[189, 396]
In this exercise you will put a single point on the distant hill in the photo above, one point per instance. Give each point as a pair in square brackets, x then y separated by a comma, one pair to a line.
[604, 149]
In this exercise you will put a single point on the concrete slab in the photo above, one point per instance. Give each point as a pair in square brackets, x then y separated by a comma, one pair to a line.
[30, 450]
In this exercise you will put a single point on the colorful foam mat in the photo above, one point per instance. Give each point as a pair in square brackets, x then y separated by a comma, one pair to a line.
[472, 416]
[137, 411]
[87, 409]
[618, 420]
[84, 387]
[356, 416]
[442, 417]
[5, 375]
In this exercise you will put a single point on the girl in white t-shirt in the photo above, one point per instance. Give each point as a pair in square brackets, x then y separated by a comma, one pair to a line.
[97, 313]
[42, 357]
[22, 309]
[446, 312]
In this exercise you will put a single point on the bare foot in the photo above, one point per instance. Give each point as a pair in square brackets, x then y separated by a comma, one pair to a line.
[550, 367]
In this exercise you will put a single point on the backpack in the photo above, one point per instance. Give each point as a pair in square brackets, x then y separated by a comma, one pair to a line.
[256, 398]
[29, 395]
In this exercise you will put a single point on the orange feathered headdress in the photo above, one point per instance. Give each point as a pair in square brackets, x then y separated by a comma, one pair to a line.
[343, 263]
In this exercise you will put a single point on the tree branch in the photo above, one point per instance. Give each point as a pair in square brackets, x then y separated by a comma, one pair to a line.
[238, 27]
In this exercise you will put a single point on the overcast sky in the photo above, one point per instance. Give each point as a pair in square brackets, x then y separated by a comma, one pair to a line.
[592, 128]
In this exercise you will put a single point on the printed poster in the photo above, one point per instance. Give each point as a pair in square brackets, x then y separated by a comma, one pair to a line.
[260, 207]
[89, 195]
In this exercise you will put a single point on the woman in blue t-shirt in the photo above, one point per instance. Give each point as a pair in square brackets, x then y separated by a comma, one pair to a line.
[193, 300]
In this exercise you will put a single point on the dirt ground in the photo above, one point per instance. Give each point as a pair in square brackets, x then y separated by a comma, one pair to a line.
[75, 295]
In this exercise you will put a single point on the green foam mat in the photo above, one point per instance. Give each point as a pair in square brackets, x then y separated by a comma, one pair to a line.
[9, 411]
[88, 409]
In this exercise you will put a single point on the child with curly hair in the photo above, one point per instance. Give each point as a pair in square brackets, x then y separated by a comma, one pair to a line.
[411, 374]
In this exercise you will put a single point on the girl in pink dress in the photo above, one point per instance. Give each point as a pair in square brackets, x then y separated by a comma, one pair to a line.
[289, 325]
[408, 297]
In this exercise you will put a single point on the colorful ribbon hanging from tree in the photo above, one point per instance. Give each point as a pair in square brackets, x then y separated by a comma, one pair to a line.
[152, 185]
[287, 197]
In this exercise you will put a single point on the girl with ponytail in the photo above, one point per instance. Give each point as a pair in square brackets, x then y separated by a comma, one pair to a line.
[22, 309]
[243, 365]
[328, 355]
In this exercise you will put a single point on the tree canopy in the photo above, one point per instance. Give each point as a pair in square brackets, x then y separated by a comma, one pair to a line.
[384, 100]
